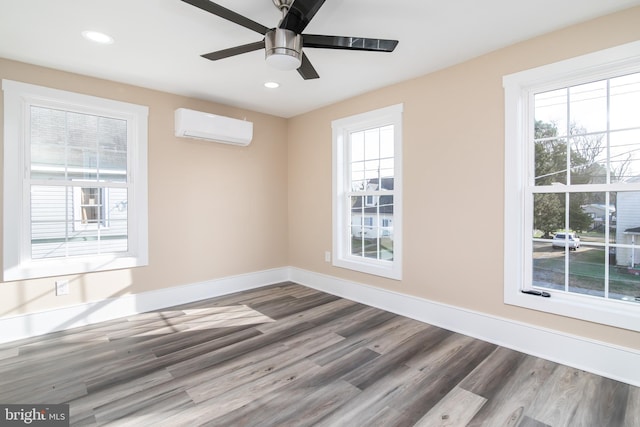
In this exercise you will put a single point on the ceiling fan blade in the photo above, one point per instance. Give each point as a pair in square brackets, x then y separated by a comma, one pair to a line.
[350, 43]
[229, 15]
[299, 15]
[233, 51]
[306, 70]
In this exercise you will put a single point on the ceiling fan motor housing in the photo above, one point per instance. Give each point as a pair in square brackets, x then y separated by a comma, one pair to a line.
[283, 49]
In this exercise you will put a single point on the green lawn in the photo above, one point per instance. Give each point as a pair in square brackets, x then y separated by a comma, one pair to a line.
[586, 273]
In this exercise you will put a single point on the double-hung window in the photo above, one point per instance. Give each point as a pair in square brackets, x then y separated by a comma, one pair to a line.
[75, 183]
[572, 187]
[367, 192]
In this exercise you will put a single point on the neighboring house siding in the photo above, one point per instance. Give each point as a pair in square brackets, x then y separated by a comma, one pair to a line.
[50, 236]
[628, 217]
[371, 228]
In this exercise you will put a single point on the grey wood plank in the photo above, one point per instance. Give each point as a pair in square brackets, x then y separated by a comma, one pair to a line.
[508, 400]
[232, 350]
[236, 397]
[319, 315]
[419, 343]
[457, 408]
[604, 402]
[632, 413]
[414, 399]
[307, 400]
[559, 397]
[83, 407]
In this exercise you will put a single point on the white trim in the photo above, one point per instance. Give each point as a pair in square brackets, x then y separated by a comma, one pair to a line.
[33, 324]
[608, 360]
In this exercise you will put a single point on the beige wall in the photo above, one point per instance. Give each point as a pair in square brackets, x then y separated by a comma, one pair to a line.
[453, 177]
[214, 210]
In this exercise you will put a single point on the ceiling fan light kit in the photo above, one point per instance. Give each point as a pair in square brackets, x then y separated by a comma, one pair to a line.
[283, 49]
[283, 44]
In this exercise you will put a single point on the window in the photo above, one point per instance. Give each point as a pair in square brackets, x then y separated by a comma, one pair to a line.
[572, 187]
[367, 192]
[75, 183]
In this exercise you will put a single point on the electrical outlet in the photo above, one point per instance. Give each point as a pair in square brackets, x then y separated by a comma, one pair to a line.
[62, 287]
[327, 256]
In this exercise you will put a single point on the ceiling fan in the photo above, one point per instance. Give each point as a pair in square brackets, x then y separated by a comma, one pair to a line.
[283, 44]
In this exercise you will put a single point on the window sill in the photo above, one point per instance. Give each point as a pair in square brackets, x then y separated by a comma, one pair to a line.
[387, 269]
[63, 267]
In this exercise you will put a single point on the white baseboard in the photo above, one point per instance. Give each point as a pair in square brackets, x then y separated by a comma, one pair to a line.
[611, 361]
[33, 324]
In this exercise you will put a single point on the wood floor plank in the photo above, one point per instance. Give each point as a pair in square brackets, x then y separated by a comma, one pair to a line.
[286, 355]
[429, 390]
[559, 397]
[308, 400]
[236, 397]
[363, 376]
[457, 408]
[632, 413]
[509, 398]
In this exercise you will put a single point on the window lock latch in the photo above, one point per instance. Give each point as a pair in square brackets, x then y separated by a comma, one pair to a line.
[536, 293]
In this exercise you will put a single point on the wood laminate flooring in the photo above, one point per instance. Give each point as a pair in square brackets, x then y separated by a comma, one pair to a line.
[286, 355]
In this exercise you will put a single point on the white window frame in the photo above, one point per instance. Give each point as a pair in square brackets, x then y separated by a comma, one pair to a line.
[341, 129]
[519, 91]
[17, 262]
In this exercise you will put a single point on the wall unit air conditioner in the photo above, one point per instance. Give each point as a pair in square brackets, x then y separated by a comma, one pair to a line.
[210, 127]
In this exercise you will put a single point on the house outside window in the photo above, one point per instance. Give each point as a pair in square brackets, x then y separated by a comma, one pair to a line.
[75, 183]
[572, 187]
[367, 226]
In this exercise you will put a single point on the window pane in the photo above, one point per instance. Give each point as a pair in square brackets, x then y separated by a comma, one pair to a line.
[112, 146]
[590, 216]
[580, 219]
[386, 142]
[625, 156]
[551, 110]
[50, 213]
[625, 102]
[372, 227]
[589, 159]
[550, 161]
[548, 266]
[548, 214]
[48, 143]
[588, 108]
[357, 146]
[372, 144]
[627, 228]
[624, 279]
[587, 271]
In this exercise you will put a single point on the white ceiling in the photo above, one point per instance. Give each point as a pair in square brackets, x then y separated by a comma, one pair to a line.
[158, 43]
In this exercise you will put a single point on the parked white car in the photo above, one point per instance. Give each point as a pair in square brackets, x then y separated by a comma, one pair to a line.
[562, 240]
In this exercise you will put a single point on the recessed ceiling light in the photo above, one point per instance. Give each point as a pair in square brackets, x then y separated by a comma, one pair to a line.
[271, 85]
[97, 37]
